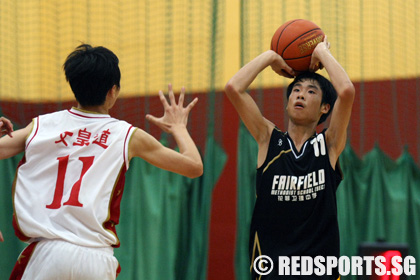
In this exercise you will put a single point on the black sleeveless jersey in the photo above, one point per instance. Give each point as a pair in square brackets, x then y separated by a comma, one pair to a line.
[295, 212]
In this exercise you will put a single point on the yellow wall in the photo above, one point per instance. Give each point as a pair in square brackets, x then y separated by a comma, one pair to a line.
[372, 39]
[157, 42]
[170, 41]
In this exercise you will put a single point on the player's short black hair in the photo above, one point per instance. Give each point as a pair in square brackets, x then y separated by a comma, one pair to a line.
[91, 73]
[329, 94]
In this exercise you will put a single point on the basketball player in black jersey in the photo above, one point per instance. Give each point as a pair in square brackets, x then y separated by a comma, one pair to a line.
[295, 213]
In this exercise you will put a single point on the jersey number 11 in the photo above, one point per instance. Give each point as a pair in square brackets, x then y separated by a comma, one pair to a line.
[59, 186]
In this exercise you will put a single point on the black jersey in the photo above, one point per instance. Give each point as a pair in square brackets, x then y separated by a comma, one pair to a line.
[295, 212]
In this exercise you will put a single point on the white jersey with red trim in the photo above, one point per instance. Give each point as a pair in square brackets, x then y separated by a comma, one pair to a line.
[70, 182]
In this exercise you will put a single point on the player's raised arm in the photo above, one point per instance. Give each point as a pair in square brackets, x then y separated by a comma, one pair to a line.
[187, 161]
[336, 133]
[246, 107]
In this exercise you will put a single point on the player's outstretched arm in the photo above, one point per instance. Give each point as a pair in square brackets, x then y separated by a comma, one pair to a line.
[187, 161]
[1, 237]
[336, 133]
[12, 142]
[259, 127]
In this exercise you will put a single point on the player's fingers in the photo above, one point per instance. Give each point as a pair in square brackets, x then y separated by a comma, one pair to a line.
[327, 44]
[9, 127]
[6, 127]
[314, 68]
[192, 104]
[181, 97]
[1, 237]
[285, 68]
[158, 122]
[6, 123]
[314, 65]
[289, 70]
[153, 119]
[163, 100]
[171, 95]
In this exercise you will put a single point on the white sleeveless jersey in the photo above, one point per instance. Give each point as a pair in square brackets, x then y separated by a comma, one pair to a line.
[70, 182]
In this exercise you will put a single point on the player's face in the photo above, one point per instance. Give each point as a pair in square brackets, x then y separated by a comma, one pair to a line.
[304, 105]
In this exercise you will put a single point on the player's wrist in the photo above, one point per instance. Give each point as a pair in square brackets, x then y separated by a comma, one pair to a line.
[178, 128]
[271, 56]
[324, 53]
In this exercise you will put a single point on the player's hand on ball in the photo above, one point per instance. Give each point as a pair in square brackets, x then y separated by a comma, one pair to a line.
[280, 67]
[316, 64]
[175, 114]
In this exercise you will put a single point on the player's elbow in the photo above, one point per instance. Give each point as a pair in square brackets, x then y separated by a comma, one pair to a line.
[347, 92]
[196, 170]
[231, 89]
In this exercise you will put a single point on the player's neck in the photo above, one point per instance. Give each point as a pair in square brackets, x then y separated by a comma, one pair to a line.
[110, 99]
[94, 109]
[299, 134]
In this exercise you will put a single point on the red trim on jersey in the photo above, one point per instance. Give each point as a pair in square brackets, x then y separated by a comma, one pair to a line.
[18, 232]
[125, 142]
[36, 131]
[114, 205]
[22, 262]
[115, 201]
[89, 117]
[118, 270]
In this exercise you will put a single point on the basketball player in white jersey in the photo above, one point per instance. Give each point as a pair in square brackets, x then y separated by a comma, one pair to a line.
[69, 184]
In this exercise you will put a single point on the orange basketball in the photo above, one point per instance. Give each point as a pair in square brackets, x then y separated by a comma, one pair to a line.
[295, 41]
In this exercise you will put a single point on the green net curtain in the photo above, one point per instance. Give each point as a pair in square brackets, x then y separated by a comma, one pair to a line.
[11, 247]
[379, 199]
[247, 164]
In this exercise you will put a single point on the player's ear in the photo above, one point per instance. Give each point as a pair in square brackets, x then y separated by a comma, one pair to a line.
[325, 108]
[114, 91]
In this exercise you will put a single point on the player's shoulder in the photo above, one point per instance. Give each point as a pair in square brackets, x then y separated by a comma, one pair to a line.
[49, 120]
[278, 133]
[54, 114]
[278, 141]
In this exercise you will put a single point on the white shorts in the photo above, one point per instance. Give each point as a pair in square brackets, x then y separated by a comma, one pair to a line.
[56, 259]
